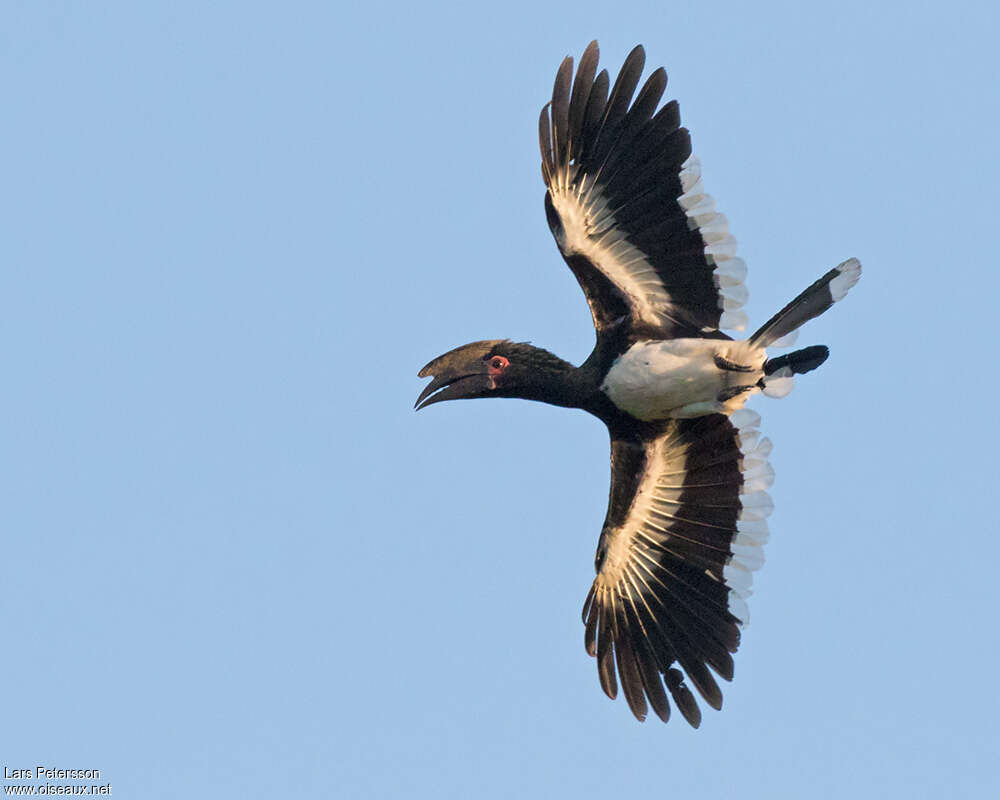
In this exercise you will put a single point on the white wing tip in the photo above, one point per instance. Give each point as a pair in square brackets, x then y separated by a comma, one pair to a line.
[745, 418]
[720, 245]
[747, 545]
[690, 172]
[734, 320]
[785, 341]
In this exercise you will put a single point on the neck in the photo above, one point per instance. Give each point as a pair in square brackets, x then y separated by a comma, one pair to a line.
[552, 380]
[559, 383]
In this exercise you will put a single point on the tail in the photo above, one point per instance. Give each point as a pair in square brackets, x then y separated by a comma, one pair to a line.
[778, 372]
[797, 363]
[811, 303]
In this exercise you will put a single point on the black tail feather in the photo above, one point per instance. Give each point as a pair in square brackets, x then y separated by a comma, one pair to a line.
[810, 303]
[800, 361]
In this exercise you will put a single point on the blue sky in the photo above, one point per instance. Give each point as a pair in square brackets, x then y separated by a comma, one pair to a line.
[237, 564]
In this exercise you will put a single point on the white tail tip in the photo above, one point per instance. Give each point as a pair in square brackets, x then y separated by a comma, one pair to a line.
[850, 273]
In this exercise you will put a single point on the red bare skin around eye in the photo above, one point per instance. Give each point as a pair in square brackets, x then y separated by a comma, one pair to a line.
[497, 365]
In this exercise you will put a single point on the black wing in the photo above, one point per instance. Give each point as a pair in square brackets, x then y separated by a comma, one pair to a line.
[627, 208]
[684, 530]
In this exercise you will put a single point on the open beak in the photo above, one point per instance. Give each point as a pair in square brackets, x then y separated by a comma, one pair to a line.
[458, 374]
[453, 388]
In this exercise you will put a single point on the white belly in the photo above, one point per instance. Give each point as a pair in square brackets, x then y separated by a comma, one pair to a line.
[679, 377]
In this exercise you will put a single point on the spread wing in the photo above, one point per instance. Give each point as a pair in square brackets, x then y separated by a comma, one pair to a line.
[684, 530]
[627, 207]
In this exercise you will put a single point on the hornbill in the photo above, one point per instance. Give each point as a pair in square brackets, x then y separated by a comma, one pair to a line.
[686, 518]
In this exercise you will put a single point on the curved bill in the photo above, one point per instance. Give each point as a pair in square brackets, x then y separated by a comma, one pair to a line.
[458, 374]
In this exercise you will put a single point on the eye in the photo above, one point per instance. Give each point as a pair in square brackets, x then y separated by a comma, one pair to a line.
[498, 364]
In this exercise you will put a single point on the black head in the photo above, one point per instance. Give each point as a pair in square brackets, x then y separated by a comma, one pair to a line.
[496, 368]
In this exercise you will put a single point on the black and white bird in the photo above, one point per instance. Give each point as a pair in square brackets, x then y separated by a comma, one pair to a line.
[686, 518]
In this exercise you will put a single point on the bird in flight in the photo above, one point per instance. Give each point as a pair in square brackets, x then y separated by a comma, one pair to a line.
[687, 511]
